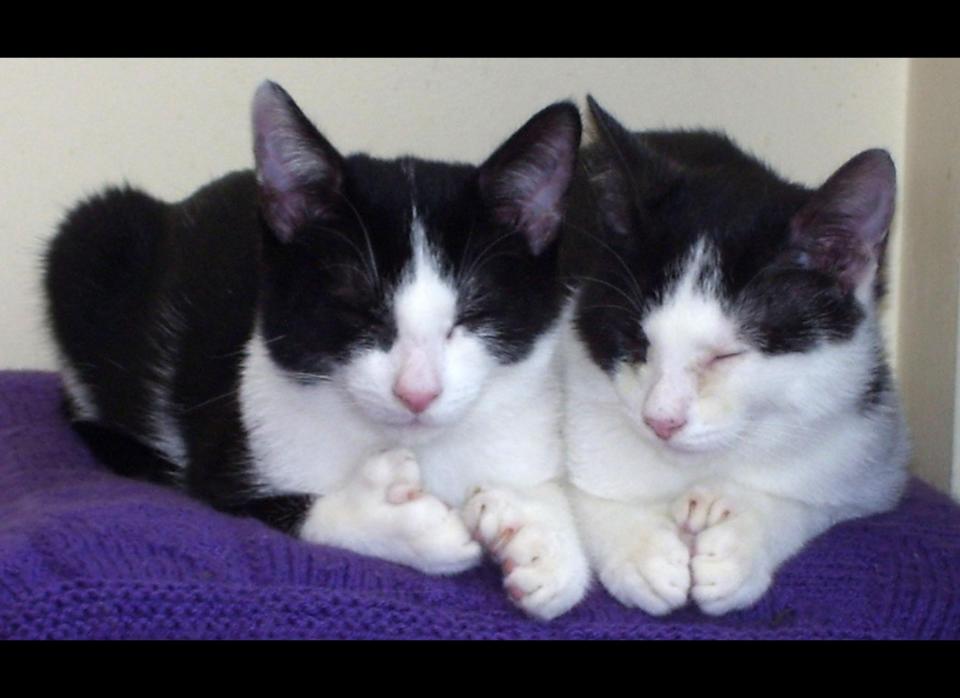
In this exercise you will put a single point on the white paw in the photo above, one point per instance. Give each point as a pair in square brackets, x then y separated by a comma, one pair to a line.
[392, 475]
[728, 567]
[424, 532]
[699, 509]
[545, 571]
[653, 574]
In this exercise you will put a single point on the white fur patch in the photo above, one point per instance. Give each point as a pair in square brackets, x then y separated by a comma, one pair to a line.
[429, 353]
[783, 438]
[491, 425]
[165, 435]
[676, 382]
[79, 393]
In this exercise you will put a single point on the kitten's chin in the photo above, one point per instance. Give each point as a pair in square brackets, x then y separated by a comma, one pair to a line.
[402, 426]
[416, 431]
[408, 429]
[689, 445]
[705, 440]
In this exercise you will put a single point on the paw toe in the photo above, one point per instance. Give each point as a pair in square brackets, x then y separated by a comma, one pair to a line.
[492, 518]
[398, 465]
[403, 492]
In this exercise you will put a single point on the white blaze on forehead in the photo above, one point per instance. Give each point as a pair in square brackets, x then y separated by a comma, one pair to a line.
[425, 303]
[691, 319]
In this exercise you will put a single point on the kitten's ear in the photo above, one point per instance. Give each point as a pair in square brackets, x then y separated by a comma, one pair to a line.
[842, 230]
[524, 183]
[298, 171]
[610, 174]
[623, 172]
[607, 130]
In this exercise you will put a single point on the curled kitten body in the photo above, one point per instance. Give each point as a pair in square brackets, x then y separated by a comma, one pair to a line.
[728, 395]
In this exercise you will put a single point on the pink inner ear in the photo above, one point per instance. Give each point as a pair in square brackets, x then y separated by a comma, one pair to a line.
[532, 193]
[844, 226]
[294, 163]
[287, 211]
[273, 165]
[526, 179]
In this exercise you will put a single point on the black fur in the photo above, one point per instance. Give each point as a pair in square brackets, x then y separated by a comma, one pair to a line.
[142, 292]
[643, 200]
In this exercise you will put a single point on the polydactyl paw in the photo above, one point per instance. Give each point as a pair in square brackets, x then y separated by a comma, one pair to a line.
[545, 571]
[727, 565]
[428, 533]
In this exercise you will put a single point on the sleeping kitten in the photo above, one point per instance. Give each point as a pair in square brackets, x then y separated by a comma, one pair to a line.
[728, 394]
[347, 348]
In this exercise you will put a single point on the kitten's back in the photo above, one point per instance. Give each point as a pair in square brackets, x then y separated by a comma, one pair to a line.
[98, 277]
[137, 291]
[700, 157]
[698, 149]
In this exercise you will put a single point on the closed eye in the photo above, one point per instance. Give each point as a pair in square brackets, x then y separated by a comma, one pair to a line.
[355, 315]
[465, 319]
[717, 358]
[470, 317]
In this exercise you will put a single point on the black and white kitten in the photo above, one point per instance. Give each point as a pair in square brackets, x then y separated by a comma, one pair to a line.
[728, 392]
[358, 351]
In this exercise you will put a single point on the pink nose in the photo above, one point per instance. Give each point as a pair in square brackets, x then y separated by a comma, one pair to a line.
[415, 400]
[665, 427]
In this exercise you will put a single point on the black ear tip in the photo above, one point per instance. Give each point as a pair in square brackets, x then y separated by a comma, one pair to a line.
[875, 155]
[265, 95]
[879, 158]
[565, 112]
[560, 122]
[568, 109]
[269, 93]
[601, 122]
[596, 111]
[268, 88]
[875, 165]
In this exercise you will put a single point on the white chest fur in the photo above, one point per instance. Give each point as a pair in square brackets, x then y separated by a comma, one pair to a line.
[311, 438]
[821, 451]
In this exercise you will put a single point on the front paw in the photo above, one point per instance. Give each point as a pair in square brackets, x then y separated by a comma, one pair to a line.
[545, 570]
[728, 566]
[699, 509]
[652, 573]
[425, 532]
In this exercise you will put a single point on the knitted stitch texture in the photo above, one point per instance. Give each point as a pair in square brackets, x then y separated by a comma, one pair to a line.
[87, 554]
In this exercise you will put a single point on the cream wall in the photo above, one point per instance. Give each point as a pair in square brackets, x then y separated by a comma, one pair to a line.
[69, 126]
[930, 288]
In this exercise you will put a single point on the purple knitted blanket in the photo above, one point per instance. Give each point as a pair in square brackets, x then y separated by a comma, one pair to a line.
[87, 554]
